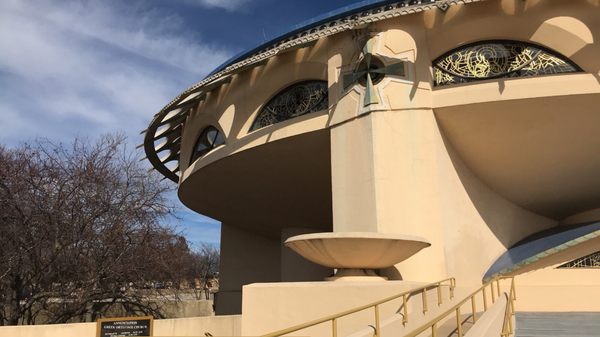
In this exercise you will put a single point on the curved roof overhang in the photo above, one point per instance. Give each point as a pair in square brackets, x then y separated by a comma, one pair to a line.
[537, 251]
[164, 133]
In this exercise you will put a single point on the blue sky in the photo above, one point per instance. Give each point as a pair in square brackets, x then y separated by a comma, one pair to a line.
[82, 68]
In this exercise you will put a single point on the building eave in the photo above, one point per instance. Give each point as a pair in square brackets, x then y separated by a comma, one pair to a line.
[331, 23]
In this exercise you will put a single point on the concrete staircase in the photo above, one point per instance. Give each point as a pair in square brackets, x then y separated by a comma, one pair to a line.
[560, 324]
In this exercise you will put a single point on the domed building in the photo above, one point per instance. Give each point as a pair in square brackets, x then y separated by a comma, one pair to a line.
[403, 140]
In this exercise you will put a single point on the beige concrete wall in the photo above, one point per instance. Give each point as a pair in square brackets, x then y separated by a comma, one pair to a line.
[193, 326]
[491, 323]
[271, 307]
[188, 308]
[198, 326]
[421, 162]
[246, 257]
[234, 106]
[556, 290]
[421, 187]
[63, 330]
[295, 268]
[274, 306]
[567, 26]
[394, 171]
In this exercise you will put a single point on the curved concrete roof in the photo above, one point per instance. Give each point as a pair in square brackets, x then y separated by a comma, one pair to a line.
[167, 125]
[540, 246]
[317, 21]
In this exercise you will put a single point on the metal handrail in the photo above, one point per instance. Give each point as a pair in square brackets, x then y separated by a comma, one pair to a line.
[375, 305]
[507, 328]
[509, 312]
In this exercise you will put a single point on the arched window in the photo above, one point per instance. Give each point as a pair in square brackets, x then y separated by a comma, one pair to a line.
[497, 59]
[209, 138]
[588, 261]
[293, 101]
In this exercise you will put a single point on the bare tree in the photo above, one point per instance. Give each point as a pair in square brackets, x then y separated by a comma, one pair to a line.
[203, 267]
[81, 232]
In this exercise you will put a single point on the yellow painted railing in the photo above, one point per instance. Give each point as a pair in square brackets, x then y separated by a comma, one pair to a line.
[406, 296]
[507, 329]
[510, 310]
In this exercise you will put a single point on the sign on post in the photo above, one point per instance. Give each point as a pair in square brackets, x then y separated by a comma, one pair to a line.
[124, 326]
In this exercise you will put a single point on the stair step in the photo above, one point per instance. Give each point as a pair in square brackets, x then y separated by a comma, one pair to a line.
[560, 324]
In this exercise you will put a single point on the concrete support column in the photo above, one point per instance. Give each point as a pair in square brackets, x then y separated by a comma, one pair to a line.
[384, 156]
[246, 257]
[353, 177]
[385, 179]
[295, 268]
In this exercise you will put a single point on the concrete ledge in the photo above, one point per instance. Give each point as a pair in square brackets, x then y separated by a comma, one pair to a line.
[268, 307]
[492, 321]
[516, 88]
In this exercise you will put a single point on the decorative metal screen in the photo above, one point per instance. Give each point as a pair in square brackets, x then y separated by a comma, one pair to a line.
[588, 261]
[296, 100]
[497, 59]
[209, 138]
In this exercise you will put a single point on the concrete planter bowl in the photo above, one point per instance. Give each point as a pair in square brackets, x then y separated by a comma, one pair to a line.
[356, 254]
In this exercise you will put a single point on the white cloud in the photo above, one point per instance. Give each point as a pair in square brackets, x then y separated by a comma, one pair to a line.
[230, 5]
[79, 67]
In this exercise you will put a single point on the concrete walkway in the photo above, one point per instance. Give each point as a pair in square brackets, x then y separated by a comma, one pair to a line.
[563, 324]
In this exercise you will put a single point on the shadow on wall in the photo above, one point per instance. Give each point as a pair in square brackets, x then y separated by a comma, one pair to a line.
[391, 273]
[509, 222]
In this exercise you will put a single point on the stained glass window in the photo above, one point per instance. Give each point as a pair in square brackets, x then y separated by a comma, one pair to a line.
[209, 138]
[588, 261]
[498, 59]
[296, 100]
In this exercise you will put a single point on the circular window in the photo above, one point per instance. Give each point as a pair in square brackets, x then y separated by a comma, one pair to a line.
[371, 68]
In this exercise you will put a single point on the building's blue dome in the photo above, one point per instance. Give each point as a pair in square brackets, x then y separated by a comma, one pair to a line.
[357, 7]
